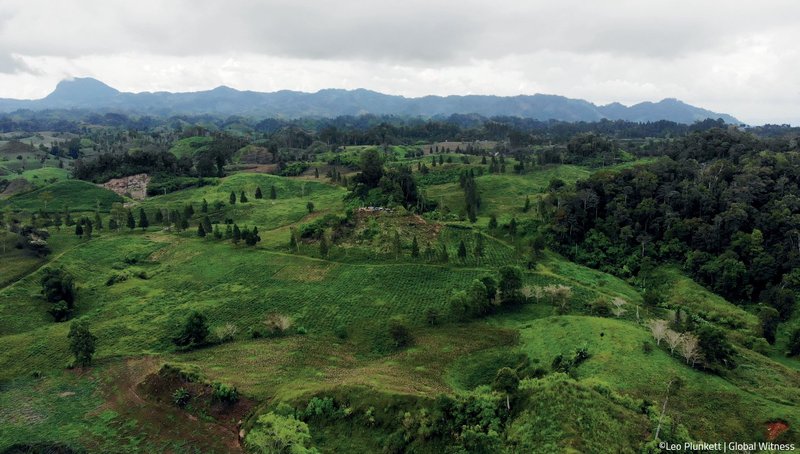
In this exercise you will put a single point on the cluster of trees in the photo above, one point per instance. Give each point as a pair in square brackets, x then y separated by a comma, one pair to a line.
[155, 159]
[377, 186]
[58, 288]
[721, 205]
[487, 294]
[704, 345]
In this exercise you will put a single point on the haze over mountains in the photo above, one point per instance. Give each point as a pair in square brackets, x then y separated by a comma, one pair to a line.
[88, 93]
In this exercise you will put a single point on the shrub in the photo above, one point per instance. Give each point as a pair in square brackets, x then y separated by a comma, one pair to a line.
[181, 397]
[600, 307]
[195, 331]
[226, 333]
[399, 333]
[273, 433]
[323, 408]
[432, 316]
[116, 278]
[225, 393]
[341, 331]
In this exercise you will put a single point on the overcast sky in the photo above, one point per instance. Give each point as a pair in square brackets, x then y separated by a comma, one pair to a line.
[737, 57]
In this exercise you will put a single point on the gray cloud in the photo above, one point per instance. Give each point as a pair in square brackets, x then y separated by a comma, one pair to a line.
[409, 30]
[725, 55]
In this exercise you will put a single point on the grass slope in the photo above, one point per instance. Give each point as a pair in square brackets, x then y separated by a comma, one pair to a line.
[76, 194]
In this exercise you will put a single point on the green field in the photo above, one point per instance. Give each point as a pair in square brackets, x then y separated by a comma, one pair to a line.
[136, 287]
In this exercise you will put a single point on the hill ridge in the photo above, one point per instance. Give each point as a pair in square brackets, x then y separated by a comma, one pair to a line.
[89, 93]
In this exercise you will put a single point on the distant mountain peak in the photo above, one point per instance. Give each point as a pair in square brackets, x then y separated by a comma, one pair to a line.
[81, 90]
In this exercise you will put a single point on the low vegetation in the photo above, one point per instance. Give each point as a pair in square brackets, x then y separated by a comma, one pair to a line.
[330, 287]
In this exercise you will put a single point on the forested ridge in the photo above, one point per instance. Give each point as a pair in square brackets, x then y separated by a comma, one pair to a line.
[722, 204]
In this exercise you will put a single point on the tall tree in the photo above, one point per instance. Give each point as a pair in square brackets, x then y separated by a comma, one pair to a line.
[131, 222]
[510, 284]
[479, 247]
[259, 195]
[462, 251]
[371, 168]
[237, 234]
[232, 198]
[143, 222]
[81, 342]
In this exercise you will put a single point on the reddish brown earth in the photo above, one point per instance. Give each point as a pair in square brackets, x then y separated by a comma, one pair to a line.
[775, 428]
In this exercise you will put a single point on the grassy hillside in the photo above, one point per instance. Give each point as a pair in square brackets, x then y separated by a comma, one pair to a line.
[75, 194]
[136, 288]
[190, 146]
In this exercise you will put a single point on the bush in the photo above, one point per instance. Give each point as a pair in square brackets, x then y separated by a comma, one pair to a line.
[194, 333]
[322, 408]
[341, 331]
[273, 433]
[225, 333]
[647, 347]
[432, 316]
[400, 334]
[181, 397]
[225, 393]
[116, 278]
[600, 307]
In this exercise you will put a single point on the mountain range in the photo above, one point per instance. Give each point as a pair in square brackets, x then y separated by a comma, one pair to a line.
[88, 93]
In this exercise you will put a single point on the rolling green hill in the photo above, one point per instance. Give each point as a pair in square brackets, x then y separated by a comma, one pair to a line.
[73, 194]
[359, 341]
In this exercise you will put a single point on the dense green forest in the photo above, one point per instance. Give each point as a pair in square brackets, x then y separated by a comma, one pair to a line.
[382, 284]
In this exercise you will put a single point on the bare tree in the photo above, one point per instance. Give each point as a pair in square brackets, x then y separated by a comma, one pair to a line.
[277, 324]
[658, 328]
[673, 339]
[673, 386]
[618, 310]
[690, 348]
[559, 296]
